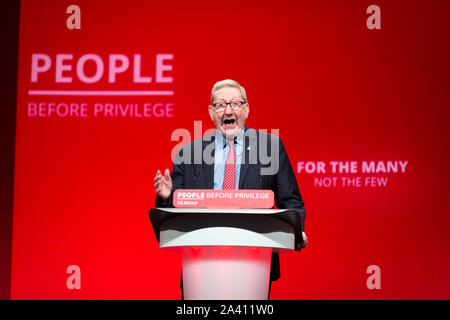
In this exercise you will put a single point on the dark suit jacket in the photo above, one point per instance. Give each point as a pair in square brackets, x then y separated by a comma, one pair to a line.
[265, 165]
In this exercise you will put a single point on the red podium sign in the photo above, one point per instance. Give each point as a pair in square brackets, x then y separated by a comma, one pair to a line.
[236, 199]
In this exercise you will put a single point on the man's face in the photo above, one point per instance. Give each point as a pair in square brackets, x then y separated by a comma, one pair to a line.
[229, 121]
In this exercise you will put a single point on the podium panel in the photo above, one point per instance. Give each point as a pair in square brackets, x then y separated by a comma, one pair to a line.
[226, 230]
[226, 272]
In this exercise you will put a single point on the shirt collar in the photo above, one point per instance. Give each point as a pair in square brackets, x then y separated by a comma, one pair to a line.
[237, 140]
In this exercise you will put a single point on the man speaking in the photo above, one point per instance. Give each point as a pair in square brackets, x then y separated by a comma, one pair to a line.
[234, 157]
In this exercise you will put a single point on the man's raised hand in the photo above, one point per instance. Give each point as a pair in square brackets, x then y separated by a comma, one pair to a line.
[163, 184]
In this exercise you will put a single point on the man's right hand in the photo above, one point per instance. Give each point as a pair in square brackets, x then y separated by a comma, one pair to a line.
[163, 184]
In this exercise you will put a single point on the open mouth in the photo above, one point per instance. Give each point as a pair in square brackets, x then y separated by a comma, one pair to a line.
[229, 123]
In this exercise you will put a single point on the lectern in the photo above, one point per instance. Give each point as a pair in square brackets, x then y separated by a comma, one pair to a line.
[226, 253]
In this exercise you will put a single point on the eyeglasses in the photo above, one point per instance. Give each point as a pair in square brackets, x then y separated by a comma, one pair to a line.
[222, 105]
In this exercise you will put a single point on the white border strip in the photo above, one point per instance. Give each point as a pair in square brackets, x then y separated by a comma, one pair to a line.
[98, 93]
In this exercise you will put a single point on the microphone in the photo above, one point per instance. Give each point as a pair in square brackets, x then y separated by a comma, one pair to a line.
[196, 174]
[260, 180]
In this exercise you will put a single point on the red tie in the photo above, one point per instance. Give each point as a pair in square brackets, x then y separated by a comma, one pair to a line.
[230, 169]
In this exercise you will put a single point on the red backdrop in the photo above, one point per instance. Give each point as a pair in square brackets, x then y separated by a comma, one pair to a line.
[336, 91]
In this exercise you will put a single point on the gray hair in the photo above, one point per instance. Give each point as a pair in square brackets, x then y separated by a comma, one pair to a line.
[227, 84]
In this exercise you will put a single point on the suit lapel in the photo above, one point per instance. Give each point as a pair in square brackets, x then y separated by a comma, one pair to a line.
[249, 141]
